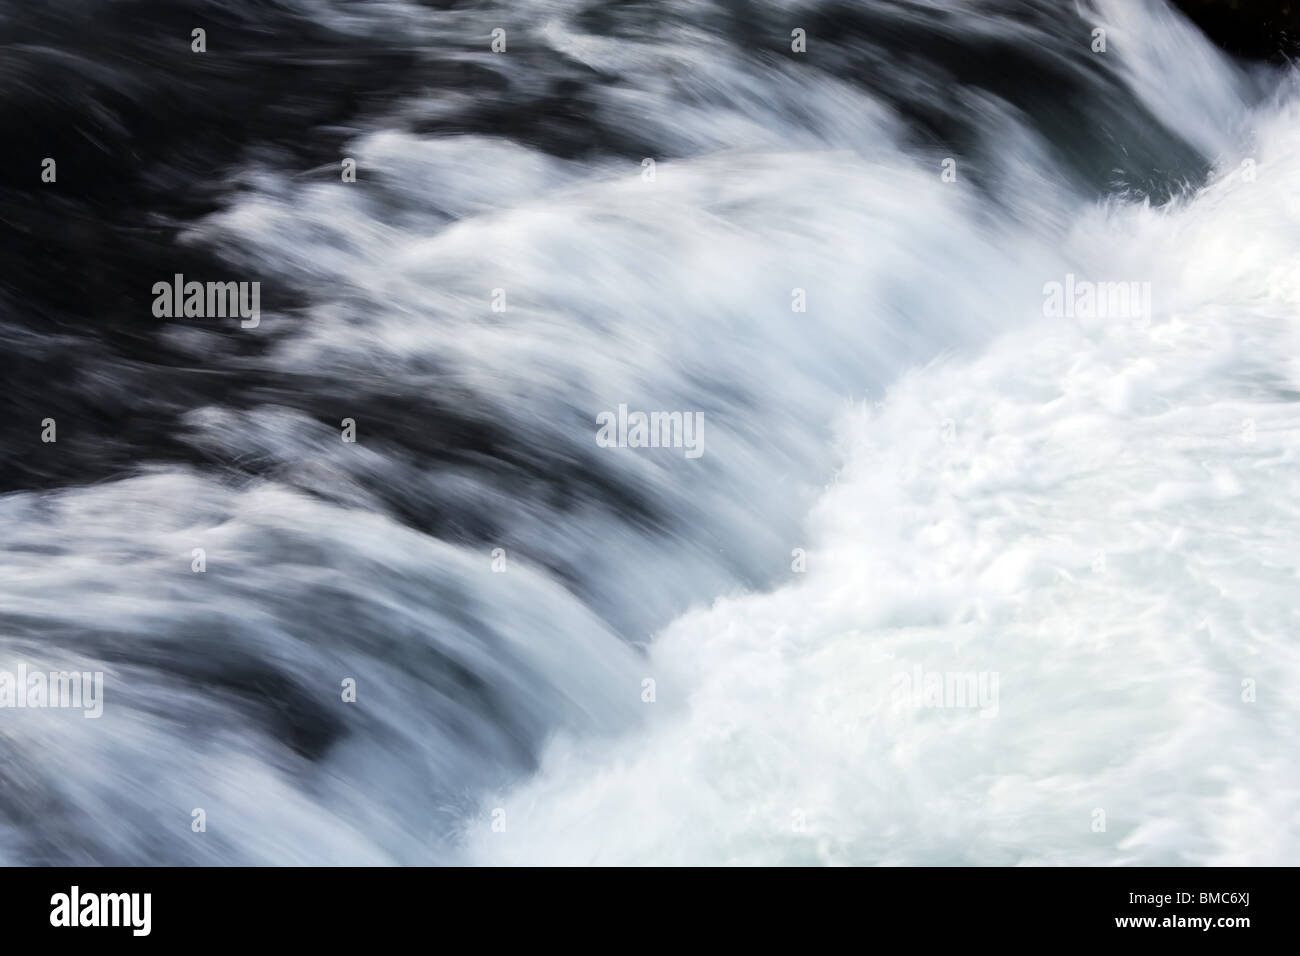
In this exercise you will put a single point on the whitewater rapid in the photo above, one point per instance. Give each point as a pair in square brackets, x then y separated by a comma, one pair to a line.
[567, 653]
[1107, 521]
[1103, 514]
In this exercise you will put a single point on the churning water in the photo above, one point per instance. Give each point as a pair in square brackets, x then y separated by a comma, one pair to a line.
[914, 462]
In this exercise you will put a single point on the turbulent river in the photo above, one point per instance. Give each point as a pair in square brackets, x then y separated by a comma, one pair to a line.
[986, 551]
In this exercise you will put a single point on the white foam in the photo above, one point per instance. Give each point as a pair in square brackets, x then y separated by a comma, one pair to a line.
[1121, 673]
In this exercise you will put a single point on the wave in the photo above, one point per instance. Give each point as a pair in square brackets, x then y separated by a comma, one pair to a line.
[839, 260]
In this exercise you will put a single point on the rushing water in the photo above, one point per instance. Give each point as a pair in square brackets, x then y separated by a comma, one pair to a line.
[929, 470]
